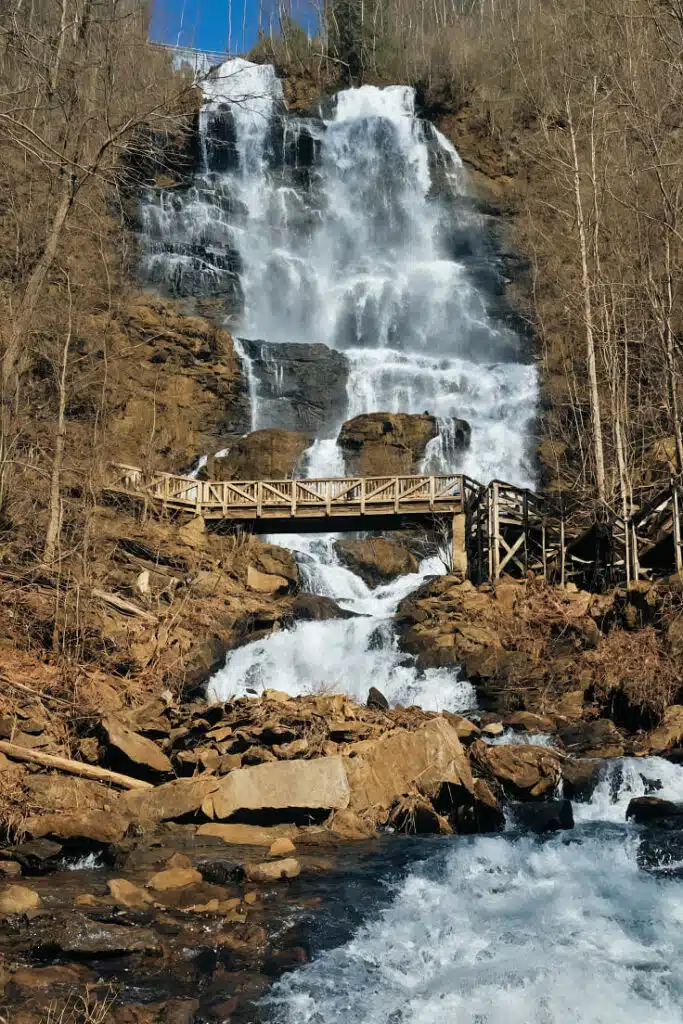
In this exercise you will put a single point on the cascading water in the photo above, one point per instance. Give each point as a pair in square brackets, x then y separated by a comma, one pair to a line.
[354, 231]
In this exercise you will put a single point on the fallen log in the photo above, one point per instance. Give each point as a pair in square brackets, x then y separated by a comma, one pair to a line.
[64, 764]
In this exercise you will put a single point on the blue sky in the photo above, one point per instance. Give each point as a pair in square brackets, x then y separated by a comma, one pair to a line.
[206, 24]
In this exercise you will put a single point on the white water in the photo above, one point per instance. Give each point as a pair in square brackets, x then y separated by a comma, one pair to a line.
[501, 931]
[355, 231]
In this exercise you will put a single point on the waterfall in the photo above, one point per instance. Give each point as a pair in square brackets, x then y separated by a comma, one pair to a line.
[350, 233]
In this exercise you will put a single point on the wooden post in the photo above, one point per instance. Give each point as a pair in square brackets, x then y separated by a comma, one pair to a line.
[259, 499]
[293, 497]
[431, 493]
[489, 507]
[678, 553]
[544, 555]
[563, 552]
[496, 530]
[362, 495]
[525, 527]
[396, 494]
[328, 497]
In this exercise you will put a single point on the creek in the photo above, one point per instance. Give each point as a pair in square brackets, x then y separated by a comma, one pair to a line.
[355, 228]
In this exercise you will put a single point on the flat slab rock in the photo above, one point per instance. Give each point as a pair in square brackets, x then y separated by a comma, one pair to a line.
[317, 784]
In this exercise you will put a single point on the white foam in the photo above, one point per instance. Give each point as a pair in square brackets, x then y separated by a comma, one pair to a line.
[507, 933]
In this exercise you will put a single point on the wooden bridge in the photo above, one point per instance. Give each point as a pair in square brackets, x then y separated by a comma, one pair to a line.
[507, 530]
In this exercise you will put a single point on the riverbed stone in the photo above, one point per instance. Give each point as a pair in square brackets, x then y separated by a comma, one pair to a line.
[18, 899]
[174, 878]
[127, 894]
[273, 871]
[669, 733]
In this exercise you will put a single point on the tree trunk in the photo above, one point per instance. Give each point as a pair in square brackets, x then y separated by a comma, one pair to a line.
[55, 506]
[588, 317]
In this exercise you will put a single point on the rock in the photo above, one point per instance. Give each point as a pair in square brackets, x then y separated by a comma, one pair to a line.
[349, 824]
[10, 868]
[264, 583]
[282, 848]
[527, 721]
[270, 454]
[305, 785]
[384, 444]
[521, 770]
[301, 387]
[466, 730]
[651, 810]
[18, 899]
[246, 835]
[126, 894]
[71, 977]
[317, 608]
[275, 561]
[669, 732]
[376, 560]
[414, 815]
[178, 860]
[376, 699]
[381, 771]
[136, 749]
[142, 585]
[94, 825]
[287, 751]
[175, 799]
[493, 729]
[78, 935]
[600, 738]
[580, 777]
[220, 871]
[273, 871]
[543, 816]
[174, 878]
[38, 855]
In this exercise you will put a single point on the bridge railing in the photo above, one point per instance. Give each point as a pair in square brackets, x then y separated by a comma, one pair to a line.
[255, 498]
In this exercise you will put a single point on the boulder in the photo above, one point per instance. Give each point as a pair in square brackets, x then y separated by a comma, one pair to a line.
[174, 878]
[18, 899]
[376, 560]
[543, 816]
[269, 454]
[127, 894]
[524, 771]
[301, 387]
[493, 729]
[385, 444]
[273, 871]
[651, 810]
[136, 749]
[38, 856]
[383, 770]
[265, 583]
[274, 561]
[317, 608]
[93, 825]
[320, 784]
[377, 700]
[669, 732]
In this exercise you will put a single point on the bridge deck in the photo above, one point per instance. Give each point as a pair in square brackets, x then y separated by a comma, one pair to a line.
[338, 498]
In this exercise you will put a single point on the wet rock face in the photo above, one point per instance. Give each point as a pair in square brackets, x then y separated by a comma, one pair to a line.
[299, 387]
[381, 443]
[376, 560]
[270, 454]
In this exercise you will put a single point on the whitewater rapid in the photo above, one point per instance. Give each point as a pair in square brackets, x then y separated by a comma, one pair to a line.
[513, 929]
